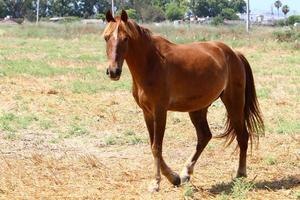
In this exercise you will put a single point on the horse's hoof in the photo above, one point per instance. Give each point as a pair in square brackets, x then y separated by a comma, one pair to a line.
[176, 180]
[153, 187]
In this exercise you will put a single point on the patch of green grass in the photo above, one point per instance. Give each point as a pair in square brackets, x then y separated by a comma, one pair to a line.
[129, 137]
[270, 160]
[240, 188]
[287, 126]
[110, 140]
[40, 68]
[11, 122]
[2, 32]
[132, 139]
[46, 124]
[296, 195]
[211, 146]
[188, 191]
[75, 130]
[263, 93]
[79, 87]
[26, 66]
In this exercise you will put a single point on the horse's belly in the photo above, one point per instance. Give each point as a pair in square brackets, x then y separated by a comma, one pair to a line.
[192, 103]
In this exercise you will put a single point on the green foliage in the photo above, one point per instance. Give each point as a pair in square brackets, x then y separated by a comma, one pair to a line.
[75, 130]
[238, 5]
[188, 191]
[2, 9]
[80, 87]
[229, 13]
[152, 13]
[218, 20]
[278, 4]
[285, 9]
[100, 16]
[174, 11]
[293, 19]
[214, 8]
[11, 122]
[240, 188]
[270, 160]
[286, 35]
[132, 14]
[281, 22]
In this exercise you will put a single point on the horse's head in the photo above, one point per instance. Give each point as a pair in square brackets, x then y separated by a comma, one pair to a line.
[116, 36]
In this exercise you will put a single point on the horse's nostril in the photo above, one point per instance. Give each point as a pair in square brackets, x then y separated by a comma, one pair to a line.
[107, 71]
[118, 72]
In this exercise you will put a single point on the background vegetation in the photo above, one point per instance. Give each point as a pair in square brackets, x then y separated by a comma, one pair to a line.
[146, 10]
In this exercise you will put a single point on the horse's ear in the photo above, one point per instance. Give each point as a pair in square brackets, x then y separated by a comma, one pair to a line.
[124, 16]
[109, 16]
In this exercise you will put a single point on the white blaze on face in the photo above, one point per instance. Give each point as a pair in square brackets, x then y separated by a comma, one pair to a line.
[114, 48]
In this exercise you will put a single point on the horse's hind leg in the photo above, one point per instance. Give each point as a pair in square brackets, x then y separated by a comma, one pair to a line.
[234, 101]
[199, 120]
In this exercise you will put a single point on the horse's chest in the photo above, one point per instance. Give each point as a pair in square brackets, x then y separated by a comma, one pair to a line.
[141, 99]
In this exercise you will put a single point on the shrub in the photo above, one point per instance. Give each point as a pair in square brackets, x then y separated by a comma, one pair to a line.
[152, 14]
[132, 14]
[281, 22]
[286, 36]
[229, 13]
[174, 11]
[100, 16]
[293, 19]
[218, 20]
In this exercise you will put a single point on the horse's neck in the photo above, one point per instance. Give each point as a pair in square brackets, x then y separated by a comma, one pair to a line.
[142, 58]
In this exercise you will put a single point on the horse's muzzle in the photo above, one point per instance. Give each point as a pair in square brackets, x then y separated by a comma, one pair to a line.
[114, 74]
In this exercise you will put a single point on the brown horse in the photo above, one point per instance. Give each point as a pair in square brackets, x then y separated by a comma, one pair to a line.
[185, 78]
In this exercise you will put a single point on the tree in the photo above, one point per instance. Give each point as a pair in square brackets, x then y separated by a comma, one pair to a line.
[3, 11]
[229, 14]
[214, 8]
[285, 9]
[132, 14]
[238, 6]
[147, 11]
[174, 11]
[278, 4]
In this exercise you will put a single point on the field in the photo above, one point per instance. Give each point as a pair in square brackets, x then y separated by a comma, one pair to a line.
[68, 132]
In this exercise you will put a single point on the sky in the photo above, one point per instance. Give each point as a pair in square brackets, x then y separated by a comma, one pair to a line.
[265, 5]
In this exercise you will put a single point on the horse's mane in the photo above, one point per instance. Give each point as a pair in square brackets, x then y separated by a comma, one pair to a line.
[133, 30]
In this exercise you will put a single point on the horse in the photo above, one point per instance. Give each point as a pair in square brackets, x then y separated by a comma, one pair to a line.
[184, 78]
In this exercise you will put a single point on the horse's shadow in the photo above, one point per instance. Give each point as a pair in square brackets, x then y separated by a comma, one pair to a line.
[271, 185]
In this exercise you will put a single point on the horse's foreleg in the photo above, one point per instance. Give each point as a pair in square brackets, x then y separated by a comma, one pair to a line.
[156, 126]
[199, 120]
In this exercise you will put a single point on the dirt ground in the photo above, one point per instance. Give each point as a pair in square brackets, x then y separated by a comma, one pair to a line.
[33, 167]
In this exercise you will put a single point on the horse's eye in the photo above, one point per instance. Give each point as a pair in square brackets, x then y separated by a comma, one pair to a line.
[106, 38]
[125, 39]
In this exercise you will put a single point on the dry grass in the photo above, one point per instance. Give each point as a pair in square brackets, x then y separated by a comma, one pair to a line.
[70, 133]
